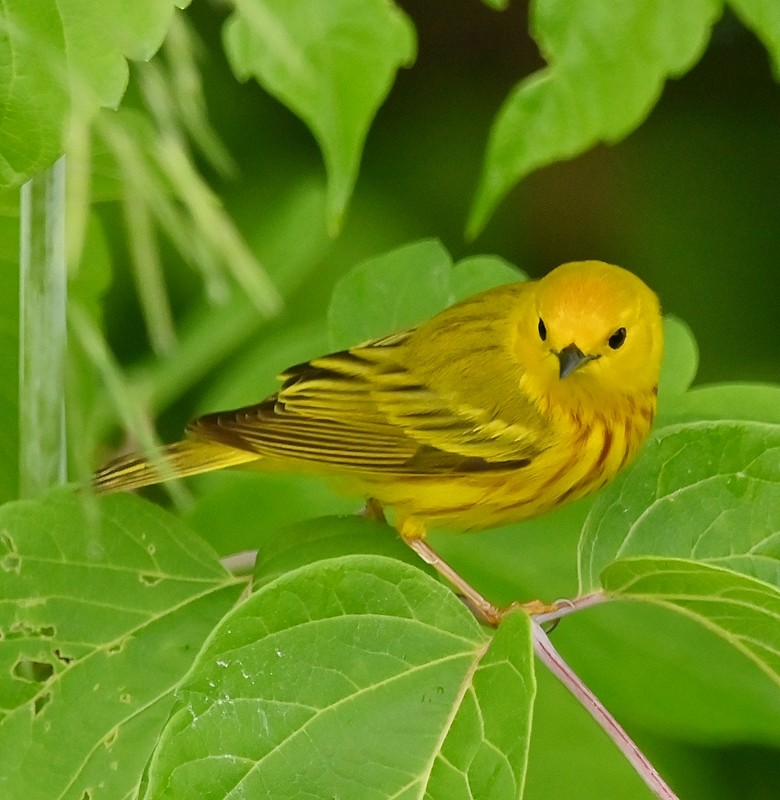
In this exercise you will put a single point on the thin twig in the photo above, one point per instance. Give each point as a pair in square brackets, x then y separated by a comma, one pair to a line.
[550, 657]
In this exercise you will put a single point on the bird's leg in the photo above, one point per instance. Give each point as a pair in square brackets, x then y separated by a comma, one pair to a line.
[413, 533]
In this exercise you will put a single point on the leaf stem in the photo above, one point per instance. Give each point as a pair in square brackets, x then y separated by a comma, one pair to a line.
[42, 337]
[551, 658]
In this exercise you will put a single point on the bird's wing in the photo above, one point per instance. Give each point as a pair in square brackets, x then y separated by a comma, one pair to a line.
[365, 410]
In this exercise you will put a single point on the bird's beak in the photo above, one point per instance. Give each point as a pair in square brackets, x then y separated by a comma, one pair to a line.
[571, 358]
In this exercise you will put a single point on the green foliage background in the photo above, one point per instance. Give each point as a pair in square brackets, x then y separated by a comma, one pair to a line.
[104, 606]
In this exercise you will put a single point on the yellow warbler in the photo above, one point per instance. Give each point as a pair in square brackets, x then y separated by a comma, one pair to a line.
[499, 408]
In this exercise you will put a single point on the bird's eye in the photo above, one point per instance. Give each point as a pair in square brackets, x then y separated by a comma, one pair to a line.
[542, 330]
[618, 337]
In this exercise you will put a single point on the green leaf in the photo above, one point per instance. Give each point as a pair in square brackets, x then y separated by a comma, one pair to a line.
[763, 18]
[292, 546]
[659, 670]
[742, 610]
[592, 768]
[357, 676]
[681, 359]
[726, 401]
[246, 510]
[330, 63]
[480, 273]
[708, 491]
[89, 282]
[66, 53]
[393, 291]
[485, 751]
[251, 374]
[607, 62]
[104, 606]
[405, 287]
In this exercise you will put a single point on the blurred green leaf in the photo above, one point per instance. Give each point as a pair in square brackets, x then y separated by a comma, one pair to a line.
[680, 361]
[480, 273]
[393, 291]
[763, 18]
[607, 62]
[307, 541]
[67, 53]
[708, 491]
[104, 605]
[87, 285]
[498, 5]
[241, 510]
[290, 237]
[90, 280]
[251, 375]
[734, 401]
[352, 672]
[331, 63]
[592, 768]
[405, 287]
[742, 610]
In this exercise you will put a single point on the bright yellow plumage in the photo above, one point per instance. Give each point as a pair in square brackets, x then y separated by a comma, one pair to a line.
[497, 409]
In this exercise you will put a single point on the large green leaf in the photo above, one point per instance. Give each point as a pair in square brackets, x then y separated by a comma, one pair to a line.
[59, 53]
[104, 606]
[659, 670]
[396, 290]
[570, 758]
[238, 510]
[479, 273]
[722, 401]
[292, 546]
[405, 287]
[744, 611]
[709, 491]
[607, 62]
[331, 63]
[352, 677]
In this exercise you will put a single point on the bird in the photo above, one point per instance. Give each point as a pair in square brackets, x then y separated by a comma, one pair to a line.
[497, 409]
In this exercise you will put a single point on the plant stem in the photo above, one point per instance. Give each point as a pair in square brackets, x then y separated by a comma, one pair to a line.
[566, 607]
[242, 563]
[549, 656]
[42, 339]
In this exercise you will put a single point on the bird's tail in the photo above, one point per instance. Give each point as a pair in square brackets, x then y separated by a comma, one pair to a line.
[178, 460]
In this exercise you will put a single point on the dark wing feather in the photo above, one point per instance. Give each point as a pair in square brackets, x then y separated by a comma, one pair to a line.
[367, 410]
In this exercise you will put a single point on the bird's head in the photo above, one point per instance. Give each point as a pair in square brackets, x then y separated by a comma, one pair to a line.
[590, 332]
